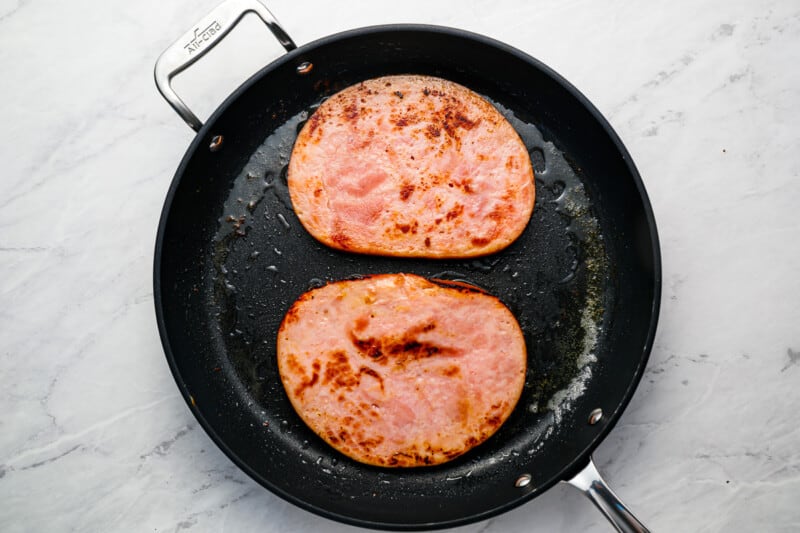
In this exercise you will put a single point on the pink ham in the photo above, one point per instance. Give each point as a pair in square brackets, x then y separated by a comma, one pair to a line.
[412, 166]
[397, 370]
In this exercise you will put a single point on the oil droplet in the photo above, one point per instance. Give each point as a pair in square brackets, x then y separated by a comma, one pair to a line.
[315, 283]
[538, 160]
[557, 188]
[450, 275]
[255, 255]
[272, 268]
[483, 265]
[283, 221]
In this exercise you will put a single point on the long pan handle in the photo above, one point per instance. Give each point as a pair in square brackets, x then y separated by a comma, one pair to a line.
[204, 36]
[590, 482]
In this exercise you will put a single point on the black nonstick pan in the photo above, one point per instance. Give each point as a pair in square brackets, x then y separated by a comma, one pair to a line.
[231, 257]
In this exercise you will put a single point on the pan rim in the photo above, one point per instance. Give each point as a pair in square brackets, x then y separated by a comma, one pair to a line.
[583, 457]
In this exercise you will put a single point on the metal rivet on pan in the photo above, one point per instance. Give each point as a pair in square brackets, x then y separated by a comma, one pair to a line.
[305, 67]
[595, 416]
[216, 143]
[523, 480]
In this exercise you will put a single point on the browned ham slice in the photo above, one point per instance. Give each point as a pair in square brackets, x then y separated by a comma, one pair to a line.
[397, 370]
[412, 166]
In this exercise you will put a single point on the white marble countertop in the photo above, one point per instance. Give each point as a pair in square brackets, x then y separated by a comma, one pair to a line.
[93, 433]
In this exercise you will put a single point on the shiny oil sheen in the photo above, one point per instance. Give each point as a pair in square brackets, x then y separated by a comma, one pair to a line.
[550, 278]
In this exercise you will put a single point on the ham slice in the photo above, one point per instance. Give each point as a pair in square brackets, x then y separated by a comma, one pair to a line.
[411, 166]
[396, 370]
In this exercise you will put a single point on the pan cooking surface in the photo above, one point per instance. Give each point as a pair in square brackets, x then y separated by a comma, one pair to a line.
[553, 279]
[583, 280]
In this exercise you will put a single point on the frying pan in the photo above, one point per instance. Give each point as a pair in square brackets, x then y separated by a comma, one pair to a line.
[231, 257]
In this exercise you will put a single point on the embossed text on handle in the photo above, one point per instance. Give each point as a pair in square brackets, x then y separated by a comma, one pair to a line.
[201, 37]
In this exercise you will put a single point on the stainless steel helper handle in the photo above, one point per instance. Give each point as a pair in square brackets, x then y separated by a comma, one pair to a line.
[589, 482]
[204, 36]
